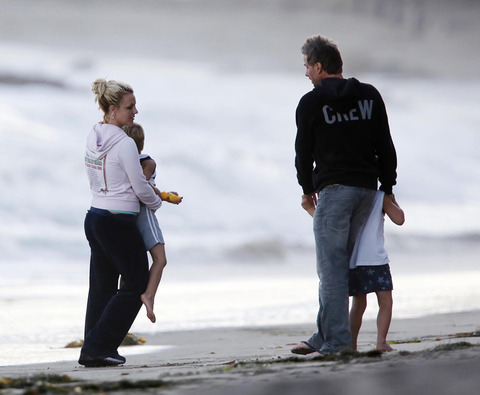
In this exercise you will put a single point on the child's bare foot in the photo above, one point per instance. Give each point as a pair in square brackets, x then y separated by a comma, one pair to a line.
[148, 302]
[384, 347]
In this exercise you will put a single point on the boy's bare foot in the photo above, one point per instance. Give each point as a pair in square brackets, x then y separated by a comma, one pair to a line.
[149, 305]
[384, 347]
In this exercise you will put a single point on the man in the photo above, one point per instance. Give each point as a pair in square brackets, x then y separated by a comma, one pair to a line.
[343, 147]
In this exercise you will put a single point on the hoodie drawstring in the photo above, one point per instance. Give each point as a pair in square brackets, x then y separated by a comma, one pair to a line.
[104, 190]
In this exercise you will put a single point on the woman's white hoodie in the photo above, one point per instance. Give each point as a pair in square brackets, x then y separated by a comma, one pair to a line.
[114, 171]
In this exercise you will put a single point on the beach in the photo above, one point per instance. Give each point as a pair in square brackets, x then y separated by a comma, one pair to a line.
[435, 354]
[217, 84]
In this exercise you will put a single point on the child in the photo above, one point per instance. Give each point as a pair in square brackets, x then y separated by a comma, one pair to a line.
[370, 272]
[148, 224]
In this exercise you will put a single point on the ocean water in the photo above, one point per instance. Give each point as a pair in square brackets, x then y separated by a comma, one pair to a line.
[240, 248]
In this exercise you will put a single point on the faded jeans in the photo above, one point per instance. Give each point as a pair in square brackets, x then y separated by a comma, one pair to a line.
[340, 214]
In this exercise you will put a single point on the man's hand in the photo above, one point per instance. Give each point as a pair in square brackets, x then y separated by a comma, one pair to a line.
[309, 203]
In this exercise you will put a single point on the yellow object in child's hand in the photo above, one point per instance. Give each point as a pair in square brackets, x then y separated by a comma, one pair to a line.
[171, 197]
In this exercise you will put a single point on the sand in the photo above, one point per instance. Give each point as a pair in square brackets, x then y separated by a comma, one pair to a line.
[438, 354]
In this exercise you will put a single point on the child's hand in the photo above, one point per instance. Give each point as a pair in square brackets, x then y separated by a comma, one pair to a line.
[171, 197]
[393, 210]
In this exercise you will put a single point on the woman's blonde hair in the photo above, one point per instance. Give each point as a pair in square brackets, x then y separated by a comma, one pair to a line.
[136, 132]
[108, 93]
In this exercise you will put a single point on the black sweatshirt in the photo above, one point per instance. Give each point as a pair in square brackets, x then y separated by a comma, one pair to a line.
[342, 127]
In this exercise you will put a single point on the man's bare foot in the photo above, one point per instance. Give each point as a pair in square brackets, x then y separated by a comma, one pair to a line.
[302, 349]
[149, 305]
[384, 347]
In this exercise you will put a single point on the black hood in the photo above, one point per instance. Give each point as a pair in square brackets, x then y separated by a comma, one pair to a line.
[338, 93]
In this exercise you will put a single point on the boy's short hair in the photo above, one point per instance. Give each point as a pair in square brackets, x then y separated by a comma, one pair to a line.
[135, 131]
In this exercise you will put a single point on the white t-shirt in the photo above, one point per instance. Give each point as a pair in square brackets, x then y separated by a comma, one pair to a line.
[369, 247]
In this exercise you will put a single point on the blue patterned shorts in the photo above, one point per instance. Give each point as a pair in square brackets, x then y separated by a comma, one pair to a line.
[366, 279]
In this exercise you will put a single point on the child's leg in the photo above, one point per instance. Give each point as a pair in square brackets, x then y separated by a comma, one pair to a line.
[159, 262]
[385, 303]
[359, 304]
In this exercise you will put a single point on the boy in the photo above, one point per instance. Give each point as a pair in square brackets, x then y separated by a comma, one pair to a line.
[370, 272]
[148, 224]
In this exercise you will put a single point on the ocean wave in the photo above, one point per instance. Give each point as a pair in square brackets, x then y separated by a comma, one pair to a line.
[22, 79]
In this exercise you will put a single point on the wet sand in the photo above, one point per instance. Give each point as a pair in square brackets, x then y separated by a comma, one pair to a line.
[436, 354]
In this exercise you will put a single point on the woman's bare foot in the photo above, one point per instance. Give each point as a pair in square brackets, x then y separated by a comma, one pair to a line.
[148, 302]
[384, 347]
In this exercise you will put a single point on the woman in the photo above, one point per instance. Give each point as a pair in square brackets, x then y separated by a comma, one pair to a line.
[117, 249]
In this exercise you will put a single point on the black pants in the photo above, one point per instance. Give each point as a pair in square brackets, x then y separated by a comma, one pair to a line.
[117, 249]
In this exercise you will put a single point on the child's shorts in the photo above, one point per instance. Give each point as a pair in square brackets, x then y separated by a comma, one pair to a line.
[366, 279]
[149, 228]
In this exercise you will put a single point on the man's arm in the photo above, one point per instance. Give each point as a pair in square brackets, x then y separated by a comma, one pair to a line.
[304, 145]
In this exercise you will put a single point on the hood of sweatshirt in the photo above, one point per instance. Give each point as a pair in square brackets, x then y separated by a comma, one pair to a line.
[339, 93]
[102, 138]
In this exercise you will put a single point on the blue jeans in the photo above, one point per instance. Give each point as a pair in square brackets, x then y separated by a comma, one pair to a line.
[340, 214]
[117, 249]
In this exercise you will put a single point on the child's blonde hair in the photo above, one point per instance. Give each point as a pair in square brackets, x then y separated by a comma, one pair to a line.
[135, 131]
